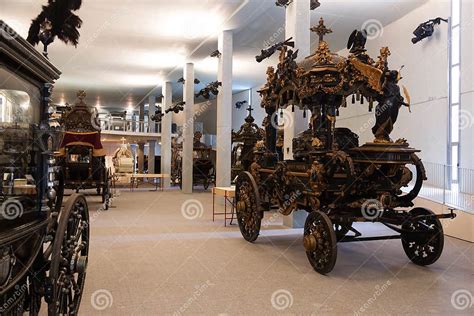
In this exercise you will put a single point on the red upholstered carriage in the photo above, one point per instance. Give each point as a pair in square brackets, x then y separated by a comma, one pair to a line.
[81, 155]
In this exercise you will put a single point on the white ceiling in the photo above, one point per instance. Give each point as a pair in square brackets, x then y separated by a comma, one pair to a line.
[128, 48]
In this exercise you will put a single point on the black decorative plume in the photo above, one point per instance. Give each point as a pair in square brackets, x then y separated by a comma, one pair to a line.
[56, 20]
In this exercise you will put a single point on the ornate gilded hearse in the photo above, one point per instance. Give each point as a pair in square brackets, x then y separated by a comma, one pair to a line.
[333, 178]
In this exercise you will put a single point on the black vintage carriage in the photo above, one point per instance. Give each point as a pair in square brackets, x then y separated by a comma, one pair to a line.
[243, 142]
[81, 155]
[43, 245]
[333, 178]
[203, 166]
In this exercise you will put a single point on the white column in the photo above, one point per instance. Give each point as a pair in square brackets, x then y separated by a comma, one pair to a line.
[151, 112]
[224, 110]
[151, 129]
[298, 24]
[166, 132]
[188, 128]
[151, 156]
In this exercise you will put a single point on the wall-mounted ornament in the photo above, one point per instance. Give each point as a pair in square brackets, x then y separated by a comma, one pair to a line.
[239, 104]
[426, 29]
[268, 52]
[314, 4]
[216, 53]
[283, 3]
[183, 81]
[212, 88]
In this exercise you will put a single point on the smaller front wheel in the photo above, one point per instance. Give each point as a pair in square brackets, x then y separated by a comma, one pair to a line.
[247, 201]
[423, 239]
[320, 242]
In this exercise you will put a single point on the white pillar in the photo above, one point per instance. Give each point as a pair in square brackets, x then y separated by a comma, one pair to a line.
[151, 156]
[224, 110]
[188, 129]
[298, 24]
[166, 132]
[151, 112]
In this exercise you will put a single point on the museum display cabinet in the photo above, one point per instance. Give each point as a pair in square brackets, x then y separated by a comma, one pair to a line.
[81, 156]
[333, 178]
[43, 245]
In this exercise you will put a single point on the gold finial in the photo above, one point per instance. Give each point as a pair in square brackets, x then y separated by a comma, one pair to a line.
[321, 29]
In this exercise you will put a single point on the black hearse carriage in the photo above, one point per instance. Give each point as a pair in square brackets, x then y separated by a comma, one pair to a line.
[43, 246]
[81, 155]
[203, 165]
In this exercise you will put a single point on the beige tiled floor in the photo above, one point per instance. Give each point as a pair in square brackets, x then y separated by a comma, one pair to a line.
[146, 258]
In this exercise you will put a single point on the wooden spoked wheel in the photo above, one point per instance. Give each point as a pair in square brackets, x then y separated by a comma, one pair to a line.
[69, 258]
[320, 242]
[423, 239]
[247, 201]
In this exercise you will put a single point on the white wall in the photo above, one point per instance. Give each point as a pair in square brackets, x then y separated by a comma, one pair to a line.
[253, 98]
[467, 85]
[205, 113]
[426, 77]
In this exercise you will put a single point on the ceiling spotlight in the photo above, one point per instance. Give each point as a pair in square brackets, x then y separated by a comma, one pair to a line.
[314, 4]
[216, 53]
[283, 3]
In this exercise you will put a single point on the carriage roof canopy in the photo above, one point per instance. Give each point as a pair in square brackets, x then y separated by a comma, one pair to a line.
[81, 128]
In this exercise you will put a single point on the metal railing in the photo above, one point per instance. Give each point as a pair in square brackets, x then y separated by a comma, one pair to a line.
[132, 126]
[440, 188]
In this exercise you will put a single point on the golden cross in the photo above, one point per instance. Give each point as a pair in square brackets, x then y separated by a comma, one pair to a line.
[321, 29]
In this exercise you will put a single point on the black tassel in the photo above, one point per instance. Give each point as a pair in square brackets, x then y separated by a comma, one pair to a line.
[304, 113]
[353, 99]
[281, 113]
[337, 112]
[293, 108]
[362, 100]
[358, 96]
[371, 104]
